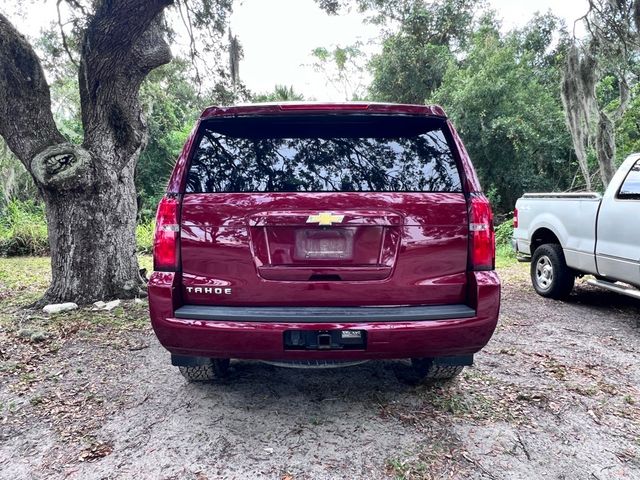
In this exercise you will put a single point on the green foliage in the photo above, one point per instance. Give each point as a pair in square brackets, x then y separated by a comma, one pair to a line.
[501, 90]
[144, 236]
[504, 99]
[408, 73]
[280, 93]
[414, 60]
[628, 131]
[504, 233]
[505, 254]
[171, 105]
[23, 230]
[343, 69]
[15, 181]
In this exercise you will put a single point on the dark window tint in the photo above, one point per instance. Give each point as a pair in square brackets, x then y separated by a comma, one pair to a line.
[323, 154]
[631, 185]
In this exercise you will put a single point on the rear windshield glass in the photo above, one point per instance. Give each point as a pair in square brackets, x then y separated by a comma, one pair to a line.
[323, 154]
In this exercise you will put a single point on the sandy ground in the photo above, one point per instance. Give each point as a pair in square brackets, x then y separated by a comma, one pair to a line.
[555, 395]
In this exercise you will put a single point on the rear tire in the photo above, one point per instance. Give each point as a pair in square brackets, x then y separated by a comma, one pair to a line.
[427, 370]
[550, 275]
[215, 368]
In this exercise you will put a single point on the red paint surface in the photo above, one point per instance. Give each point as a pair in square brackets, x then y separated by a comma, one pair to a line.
[425, 252]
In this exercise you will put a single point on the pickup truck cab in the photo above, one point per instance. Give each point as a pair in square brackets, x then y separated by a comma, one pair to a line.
[320, 235]
[565, 235]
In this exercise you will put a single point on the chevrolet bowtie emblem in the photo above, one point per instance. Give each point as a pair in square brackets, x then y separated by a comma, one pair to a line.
[325, 218]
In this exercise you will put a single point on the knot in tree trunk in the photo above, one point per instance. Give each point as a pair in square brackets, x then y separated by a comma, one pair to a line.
[63, 167]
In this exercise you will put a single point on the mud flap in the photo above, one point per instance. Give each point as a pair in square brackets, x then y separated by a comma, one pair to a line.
[185, 361]
[462, 360]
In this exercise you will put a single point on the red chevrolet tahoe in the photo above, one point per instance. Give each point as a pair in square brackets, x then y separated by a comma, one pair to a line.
[320, 235]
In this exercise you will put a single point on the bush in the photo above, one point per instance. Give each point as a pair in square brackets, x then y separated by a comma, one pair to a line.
[504, 232]
[23, 230]
[144, 236]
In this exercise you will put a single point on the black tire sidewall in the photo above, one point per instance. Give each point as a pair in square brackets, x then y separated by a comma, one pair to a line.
[563, 277]
[426, 369]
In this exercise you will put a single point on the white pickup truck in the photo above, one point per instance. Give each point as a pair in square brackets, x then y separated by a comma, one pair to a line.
[565, 235]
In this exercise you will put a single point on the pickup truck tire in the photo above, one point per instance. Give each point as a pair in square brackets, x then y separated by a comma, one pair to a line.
[550, 275]
[217, 368]
[427, 370]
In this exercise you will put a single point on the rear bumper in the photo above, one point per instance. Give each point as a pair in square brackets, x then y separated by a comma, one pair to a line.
[522, 250]
[258, 333]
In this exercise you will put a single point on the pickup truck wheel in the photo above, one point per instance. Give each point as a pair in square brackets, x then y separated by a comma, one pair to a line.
[549, 272]
[217, 368]
[427, 370]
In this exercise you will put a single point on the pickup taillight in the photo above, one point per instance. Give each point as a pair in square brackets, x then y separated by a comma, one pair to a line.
[515, 218]
[166, 242]
[482, 246]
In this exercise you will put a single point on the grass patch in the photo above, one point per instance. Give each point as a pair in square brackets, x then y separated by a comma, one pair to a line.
[461, 400]
[146, 262]
[144, 236]
[505, 257]
[23, 229]
[406, 469]
[432, 460]
[24, 280]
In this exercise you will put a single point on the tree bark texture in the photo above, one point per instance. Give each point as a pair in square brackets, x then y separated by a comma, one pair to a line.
[88, 189]
[614, 27]
[92, 239]
[579, 100]
[606, 134]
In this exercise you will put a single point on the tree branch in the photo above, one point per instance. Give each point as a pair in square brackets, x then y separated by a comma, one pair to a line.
[123, 42]
[118, 24]
[26, 121]
[625, 99]
[636, 17]
[65, 43]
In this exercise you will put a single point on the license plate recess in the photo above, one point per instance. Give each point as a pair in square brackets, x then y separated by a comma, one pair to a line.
[325, 340]
[324, 244]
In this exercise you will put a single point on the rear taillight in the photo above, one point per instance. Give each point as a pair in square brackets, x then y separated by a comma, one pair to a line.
[482, 247]
[515, 218]
[166, 244]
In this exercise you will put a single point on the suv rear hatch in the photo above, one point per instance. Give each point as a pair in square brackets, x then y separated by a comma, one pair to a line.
[337, 209]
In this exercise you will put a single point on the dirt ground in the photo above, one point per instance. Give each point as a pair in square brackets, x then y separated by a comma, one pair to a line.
[91, 395]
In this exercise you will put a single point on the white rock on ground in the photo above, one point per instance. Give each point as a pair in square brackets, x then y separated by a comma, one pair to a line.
[108, 306]
[59, 307]
[112, 304]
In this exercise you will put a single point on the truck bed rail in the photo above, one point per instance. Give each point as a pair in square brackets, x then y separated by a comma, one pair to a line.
[566, 196]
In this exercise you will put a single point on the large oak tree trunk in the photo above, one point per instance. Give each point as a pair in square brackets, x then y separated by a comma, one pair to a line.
[88, 190]
[93, 244]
